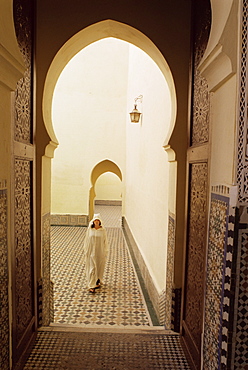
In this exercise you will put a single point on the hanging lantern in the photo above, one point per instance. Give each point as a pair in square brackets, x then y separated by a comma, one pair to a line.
[135, 115]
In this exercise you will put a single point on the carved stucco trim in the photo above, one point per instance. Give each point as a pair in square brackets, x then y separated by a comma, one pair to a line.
[220, 11]
[11, 70]
[170, 152]
[216, 68]
[11, 62]
[50, 149]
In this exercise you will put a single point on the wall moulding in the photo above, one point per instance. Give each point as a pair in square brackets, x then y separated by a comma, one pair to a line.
[11, 70]
[50, 149]
[216, 68]
[220, 12]
[12, 65]
[170, 152]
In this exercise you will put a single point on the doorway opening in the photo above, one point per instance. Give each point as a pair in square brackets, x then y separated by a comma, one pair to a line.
[137, 150]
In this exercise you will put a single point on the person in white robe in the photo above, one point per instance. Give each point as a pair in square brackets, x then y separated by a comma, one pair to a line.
[96, 251]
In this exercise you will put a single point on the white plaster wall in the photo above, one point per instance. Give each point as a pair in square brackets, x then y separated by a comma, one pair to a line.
[91, 121]
[89, 117]
[223, 127]
[147, 174]
[108, 187]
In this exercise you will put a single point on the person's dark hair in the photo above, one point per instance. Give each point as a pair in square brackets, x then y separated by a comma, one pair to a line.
[93, 224]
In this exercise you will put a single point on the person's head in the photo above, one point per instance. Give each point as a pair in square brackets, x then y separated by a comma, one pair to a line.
[96, 218]
[96, 223]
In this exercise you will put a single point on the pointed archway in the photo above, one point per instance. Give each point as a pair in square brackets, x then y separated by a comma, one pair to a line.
[98, 170]
[79, 41]
[87, 36]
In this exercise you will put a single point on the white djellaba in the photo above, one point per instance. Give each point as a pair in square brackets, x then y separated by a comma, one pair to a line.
[96, 251]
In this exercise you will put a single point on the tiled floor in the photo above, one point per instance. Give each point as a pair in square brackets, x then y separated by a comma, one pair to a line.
[106, 351]
[119, 302]
[109, 330]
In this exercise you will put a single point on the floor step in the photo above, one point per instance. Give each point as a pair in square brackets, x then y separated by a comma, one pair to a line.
[75, 328]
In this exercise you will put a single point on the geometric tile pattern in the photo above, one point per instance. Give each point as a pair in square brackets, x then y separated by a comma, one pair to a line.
[119, 302]
[23, 14]
[4, 299]
[169, 273]
[111, 215]
[200, 90]
[163, 304]
[23, 268]
[215, 280]
[69, 220]
[201, 101]
[45, 301]
[241, 322]
[110, 209]
[193, 294]
[176, 309]
[228, 296]
[97, 351]
[195, 260]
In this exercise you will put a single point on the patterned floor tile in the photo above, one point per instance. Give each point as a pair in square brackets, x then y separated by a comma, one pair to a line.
[118, 303]
[98, 351]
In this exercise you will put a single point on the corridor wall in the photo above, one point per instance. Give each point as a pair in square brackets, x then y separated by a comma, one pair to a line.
[89, 116]
[147, 173]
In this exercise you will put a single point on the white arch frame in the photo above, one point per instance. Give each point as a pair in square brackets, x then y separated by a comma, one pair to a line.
[87, 36]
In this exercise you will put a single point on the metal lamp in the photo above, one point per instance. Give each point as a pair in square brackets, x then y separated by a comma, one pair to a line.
[135, 114]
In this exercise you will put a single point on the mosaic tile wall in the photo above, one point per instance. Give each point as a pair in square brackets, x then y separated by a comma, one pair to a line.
[4, 299]
[45, 292]
[240, 347]
[194, 286]
[169, 273]
[176, 309]
[23, 269]
[69, 220]
[218, 284]
[162, 309]
[108, 202]
[227, 308]
[49, 312]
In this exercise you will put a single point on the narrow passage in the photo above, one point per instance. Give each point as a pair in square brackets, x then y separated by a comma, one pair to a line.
[119, 302]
